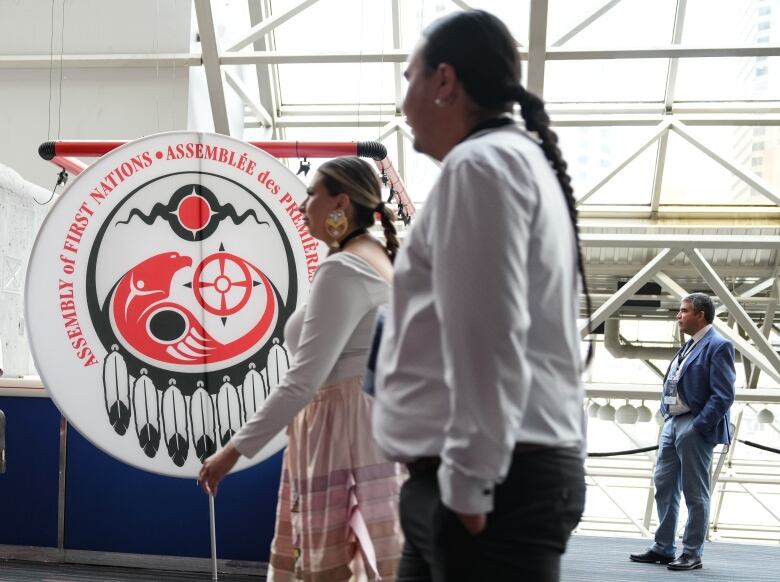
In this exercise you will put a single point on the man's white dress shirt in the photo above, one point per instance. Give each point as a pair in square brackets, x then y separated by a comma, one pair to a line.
[680, 407]
[480, 349]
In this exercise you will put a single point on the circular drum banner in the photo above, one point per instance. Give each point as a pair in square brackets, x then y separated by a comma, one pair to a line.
[157, 293]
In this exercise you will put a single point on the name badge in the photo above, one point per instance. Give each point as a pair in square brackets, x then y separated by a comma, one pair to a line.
[670, 391]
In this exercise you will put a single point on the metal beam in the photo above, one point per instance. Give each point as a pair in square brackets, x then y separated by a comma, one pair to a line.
[332, 121]
[663, 52]
[208, 43]
[287, 58]
[43, 61]
[563, 120]
[692, 107]
[593, 119]
[400, 143]
[261, 29]
[671, 80]
[658, 174]
[101, 61]
[730, 459]
[266, 74]
[652, 392]
[766, 328]
[750, 178]
[404, 128]
[653, 368]
[401, 148]
[387, 130]
[671, 77]
[683, 241]
[627, 291]
[395, 8]
[585, 23]
[639, 526]
[243, 91]
[461, 4]
[752, 291]
[745, 348]
[759, 110]
[662, 128]
[747, 324]
[537, 46]
[762, 213]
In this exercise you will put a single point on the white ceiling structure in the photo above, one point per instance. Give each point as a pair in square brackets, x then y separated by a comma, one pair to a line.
[668, 112]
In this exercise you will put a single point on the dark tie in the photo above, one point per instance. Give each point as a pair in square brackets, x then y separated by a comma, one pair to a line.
[684, 351]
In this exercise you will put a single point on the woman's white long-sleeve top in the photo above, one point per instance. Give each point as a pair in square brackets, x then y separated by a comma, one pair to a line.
[329, 338]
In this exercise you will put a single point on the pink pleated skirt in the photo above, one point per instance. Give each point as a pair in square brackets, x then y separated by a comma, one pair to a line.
[337, 517]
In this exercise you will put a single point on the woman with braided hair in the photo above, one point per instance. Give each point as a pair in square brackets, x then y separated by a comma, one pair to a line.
[338, 499]
[478, 386]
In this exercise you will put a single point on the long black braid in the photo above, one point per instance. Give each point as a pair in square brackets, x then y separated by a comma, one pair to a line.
[536, 120]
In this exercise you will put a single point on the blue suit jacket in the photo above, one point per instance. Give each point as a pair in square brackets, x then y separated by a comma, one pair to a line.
[706, 385]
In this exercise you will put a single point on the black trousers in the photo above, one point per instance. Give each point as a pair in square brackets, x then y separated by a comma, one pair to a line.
[535, 510]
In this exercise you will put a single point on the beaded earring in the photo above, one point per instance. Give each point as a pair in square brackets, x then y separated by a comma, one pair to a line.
[336, 224]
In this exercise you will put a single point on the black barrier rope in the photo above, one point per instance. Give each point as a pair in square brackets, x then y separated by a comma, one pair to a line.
[762, 447]
[628, 452]
[655, 447]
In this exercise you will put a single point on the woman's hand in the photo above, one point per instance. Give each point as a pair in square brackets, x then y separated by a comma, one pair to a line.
[216, 467]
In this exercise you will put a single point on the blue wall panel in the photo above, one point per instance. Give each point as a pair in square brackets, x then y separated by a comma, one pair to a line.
[28, 489]
[113, 507]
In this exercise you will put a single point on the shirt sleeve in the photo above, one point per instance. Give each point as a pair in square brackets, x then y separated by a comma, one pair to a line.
[480, 239]
[337, 303]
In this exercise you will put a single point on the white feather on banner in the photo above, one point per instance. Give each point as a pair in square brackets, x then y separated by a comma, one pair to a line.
[174, 416]
[116, 389]
[146, 412]
[203, 423]
[228, 411]
[253, 391]
[277, 366]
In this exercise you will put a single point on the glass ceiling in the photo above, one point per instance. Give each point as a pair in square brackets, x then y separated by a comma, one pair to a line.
[724, 109]
[668, 111]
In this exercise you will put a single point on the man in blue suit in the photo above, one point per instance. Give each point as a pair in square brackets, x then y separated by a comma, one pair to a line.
[698, 393]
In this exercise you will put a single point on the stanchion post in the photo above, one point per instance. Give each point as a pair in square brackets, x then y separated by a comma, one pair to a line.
[213, 528]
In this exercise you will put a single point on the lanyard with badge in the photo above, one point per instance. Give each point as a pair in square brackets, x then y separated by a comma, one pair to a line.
[670, 389]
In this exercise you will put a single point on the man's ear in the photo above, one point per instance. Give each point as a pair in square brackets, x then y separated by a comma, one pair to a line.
[448, 83]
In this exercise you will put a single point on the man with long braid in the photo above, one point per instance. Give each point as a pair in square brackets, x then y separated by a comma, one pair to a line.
[478, 375]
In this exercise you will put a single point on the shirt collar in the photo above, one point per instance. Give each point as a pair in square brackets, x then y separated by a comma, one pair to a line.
[701, 333]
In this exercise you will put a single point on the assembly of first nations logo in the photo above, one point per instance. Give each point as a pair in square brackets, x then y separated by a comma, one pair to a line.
[157, 294]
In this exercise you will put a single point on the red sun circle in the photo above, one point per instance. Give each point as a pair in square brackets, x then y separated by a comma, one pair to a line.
[194, 212]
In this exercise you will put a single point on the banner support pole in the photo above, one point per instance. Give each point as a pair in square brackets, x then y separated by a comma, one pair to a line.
[213, 531]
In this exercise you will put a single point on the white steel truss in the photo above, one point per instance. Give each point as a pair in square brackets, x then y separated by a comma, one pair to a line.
[747, 288]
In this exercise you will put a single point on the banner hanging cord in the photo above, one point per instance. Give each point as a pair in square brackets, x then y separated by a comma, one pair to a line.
[62, 51]
[51, 72]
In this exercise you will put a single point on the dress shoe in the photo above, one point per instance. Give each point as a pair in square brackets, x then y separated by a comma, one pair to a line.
[650, 557]
[685, 562]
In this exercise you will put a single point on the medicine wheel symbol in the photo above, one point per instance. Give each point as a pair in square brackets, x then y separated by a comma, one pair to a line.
[222, 287]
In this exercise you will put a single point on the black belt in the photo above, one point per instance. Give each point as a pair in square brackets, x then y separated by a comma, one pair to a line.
[430, 464]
